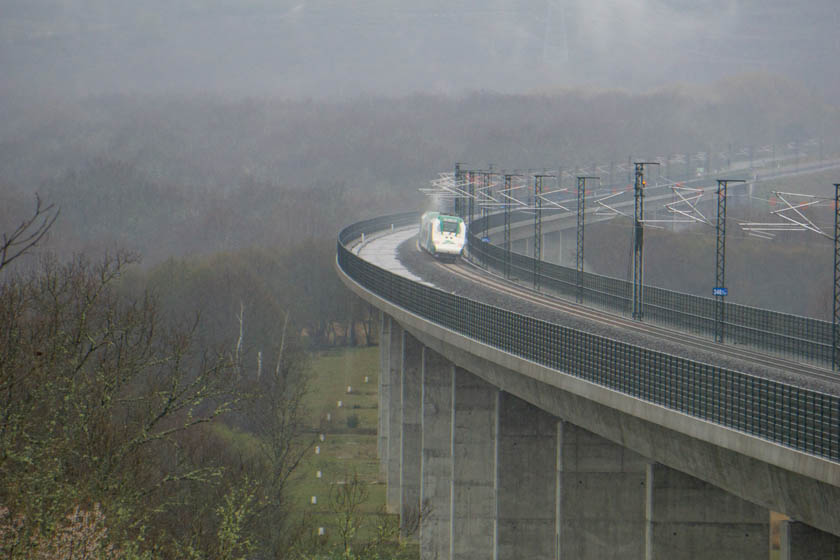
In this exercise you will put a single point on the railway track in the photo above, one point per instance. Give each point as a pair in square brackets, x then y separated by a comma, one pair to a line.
[471, 273]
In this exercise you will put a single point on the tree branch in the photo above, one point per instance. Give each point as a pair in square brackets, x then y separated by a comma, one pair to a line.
[28, 233]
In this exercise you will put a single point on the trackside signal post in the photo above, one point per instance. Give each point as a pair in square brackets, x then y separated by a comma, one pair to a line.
[639, 240]
[720, 290]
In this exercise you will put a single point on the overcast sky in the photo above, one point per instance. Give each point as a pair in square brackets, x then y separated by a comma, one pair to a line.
[337, 48]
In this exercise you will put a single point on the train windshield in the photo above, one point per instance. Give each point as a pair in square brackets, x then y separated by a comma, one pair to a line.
[449, 226]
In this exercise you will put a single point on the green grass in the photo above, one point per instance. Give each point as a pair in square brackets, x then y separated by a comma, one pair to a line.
[344, 451]
[333, 372]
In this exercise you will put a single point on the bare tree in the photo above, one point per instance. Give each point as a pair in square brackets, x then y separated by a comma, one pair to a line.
[29, 233]
[98, 399]
[276, 415]
[346, 500]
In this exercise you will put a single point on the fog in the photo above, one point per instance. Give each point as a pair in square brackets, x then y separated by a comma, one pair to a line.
[193, 127]
[335, 49]
[181, 170]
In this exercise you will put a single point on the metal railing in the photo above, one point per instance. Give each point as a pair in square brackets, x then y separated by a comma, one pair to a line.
[799, 418]
[792, 336]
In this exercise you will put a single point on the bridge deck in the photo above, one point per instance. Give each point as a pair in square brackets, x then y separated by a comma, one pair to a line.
[382, 251]
[768, 443]
[397, 252]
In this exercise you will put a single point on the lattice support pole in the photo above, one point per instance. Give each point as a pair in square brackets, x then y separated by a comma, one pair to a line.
[507, 225]
[458, 200]
[581, 210]
[537, 229]
[639, 240]
[471, 200]
[538, 190]
[720, 262]
[487, 179]
[485, 214]
[720, 291]
[581, 202]
[835, 330]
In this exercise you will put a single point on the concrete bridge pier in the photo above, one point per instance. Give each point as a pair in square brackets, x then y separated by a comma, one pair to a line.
[521, 246]
[602, 513]
[474, 431]
[410, 440]
[384, 409]
[438, 375]
[393, 446]
[384, 405]
[526, 481]
[481, 474]
[552, 247]
[802, 542]
[560, 247]
[688, 519]
[488, 469]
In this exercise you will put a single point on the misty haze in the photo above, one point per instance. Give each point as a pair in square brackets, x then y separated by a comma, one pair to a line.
[174, 176]
[332, 49]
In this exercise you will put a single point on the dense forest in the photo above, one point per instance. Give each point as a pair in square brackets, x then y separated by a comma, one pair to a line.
[186, 272]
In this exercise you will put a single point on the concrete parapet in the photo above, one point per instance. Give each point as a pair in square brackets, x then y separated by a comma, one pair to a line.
[692, 520]
[802, 542]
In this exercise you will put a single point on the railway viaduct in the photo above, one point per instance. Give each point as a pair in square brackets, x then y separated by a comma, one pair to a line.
[505, 436]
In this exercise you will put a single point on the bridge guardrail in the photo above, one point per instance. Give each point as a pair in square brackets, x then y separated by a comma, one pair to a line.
[771, 331]
[799, 418]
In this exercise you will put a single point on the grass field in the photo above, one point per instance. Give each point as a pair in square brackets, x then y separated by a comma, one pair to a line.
[347, 448]
[333, 372]
[346, 443]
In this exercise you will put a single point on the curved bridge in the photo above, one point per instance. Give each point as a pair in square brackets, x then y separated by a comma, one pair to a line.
[504, 436]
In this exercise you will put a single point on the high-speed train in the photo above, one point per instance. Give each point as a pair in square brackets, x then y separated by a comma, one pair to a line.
[441, 235]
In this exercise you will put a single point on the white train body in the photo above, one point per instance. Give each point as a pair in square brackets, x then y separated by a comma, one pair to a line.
[442, 235]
